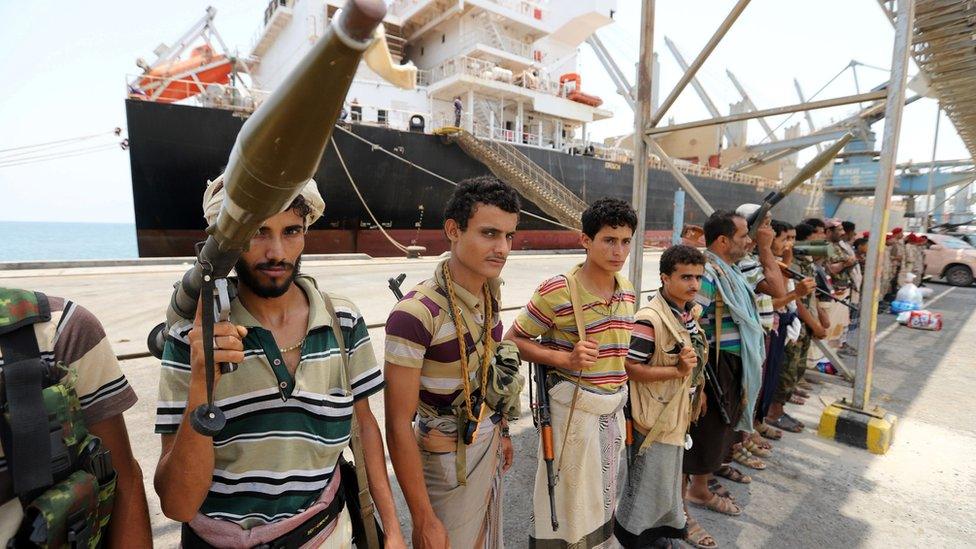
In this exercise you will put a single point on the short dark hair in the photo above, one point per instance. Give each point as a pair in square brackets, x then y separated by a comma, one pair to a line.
[484, 189]
[608, 211]
[301, 207]
[860, 241]
[803, 231]
[849, 226]
[816, 223]
[780, 227]
[679, 254]
[720, 223]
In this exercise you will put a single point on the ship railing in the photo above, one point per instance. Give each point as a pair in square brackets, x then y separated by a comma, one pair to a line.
[487, 70]
[396, 119]
[273, 6]
[532, 170]
[533, 9]
[501, 41]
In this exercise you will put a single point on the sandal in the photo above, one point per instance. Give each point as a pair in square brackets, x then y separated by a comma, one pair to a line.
[758, 440]
[733, 474]
[753, 448]
[802, 393]
[719, 505]
[768, 432]
[794, 420]
[797, 399]
[698, 537]
[785, 423]
[745, 457]
[719, 490]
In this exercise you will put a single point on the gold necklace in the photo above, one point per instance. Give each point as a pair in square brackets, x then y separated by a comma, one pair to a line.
[284, 350]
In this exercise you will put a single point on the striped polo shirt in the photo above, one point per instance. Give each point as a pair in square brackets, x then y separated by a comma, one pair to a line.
[752, 270]
[74, 340]
[549, 316]
[731, 339]
[284, 434]
[420, 334]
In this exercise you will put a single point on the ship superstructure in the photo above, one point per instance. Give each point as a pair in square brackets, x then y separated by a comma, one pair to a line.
[500, 75]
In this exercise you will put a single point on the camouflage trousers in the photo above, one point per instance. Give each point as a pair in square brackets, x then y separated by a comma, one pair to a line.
[794, 366]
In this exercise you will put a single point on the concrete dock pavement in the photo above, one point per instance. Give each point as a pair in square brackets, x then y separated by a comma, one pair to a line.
[815, 493]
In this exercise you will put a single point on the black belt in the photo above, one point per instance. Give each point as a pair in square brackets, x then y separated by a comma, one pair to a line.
[299, 536]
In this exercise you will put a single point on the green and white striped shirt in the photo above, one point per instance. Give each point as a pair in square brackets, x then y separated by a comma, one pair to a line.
[284, 434]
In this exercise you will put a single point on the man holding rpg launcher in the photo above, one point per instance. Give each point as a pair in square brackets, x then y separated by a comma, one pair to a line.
[272, 474]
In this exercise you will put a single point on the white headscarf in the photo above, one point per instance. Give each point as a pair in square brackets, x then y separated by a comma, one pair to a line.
[213, 198]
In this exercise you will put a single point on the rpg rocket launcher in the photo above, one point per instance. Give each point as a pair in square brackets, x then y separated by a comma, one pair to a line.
[276, 152]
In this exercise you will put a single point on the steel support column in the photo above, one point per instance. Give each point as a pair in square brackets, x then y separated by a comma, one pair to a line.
[678, 217]
[642, 114]
[813, 105]
[935, 145]
[882, 197]
[697, 63]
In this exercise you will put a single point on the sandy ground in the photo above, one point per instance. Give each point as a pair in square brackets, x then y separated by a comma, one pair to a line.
[815, 492]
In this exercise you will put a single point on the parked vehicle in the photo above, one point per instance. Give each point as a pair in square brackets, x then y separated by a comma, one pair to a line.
[951, 258]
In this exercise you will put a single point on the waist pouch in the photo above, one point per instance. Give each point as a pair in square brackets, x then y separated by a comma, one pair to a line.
[299, 536]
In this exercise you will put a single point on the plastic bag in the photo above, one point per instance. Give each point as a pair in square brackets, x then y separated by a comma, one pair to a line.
[909, 291]
[922, 320]
[898, 307]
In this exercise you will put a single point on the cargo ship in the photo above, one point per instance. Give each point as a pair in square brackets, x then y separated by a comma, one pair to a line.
[502, 75]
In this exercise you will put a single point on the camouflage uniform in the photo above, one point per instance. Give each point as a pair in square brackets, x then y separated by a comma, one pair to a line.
[795, 361]
[76, 493]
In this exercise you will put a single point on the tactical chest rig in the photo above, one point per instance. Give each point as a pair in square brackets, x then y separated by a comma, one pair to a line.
[61, 474]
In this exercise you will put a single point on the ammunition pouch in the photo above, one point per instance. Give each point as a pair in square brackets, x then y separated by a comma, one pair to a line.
[505, 382]
[62, 474]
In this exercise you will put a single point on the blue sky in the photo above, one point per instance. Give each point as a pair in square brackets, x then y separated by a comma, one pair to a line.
[66, 64]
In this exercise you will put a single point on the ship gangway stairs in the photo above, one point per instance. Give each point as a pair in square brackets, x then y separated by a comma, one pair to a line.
[518, 170]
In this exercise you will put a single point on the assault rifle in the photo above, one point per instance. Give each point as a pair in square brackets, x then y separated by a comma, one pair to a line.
[395, 284]
[823, 287]
[541, 418]
[712, 381]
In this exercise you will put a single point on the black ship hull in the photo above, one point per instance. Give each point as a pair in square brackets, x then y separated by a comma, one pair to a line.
[175, 149]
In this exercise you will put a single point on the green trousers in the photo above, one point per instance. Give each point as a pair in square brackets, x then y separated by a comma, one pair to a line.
[794, 366]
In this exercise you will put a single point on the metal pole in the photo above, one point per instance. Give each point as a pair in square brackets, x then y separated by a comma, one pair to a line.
[698, 62]
[642, 114]
[770, 134]
[935, 144]
[882, 197]
[678, 218]
[682, 178]
[699, 89]
[813, 105]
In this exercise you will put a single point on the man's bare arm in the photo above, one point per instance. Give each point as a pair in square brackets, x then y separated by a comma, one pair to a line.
[401, 397]
[379, 480]
[583, 355]
[129, 526]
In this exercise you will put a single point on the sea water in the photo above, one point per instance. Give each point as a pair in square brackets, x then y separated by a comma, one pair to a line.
[38, 240]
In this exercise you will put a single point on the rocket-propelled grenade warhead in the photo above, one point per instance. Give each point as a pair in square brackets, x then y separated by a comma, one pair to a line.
[280, 146]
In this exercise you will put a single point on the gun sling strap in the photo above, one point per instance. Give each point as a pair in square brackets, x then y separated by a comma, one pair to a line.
[26, 434]
[365, 501]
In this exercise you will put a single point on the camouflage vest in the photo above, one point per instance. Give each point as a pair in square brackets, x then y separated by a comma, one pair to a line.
[61, 474]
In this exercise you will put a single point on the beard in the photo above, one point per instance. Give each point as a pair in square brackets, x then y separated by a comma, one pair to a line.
[249, 277]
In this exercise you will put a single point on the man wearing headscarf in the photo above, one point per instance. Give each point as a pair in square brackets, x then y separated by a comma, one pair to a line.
[271, 476]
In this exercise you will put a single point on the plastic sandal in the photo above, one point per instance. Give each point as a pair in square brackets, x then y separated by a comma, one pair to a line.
[745, 457]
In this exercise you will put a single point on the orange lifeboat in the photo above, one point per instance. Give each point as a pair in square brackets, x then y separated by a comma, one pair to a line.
[185, 78]
[570, 83]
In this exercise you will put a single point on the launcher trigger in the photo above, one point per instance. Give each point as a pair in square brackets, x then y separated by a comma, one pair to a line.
[222, 314]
